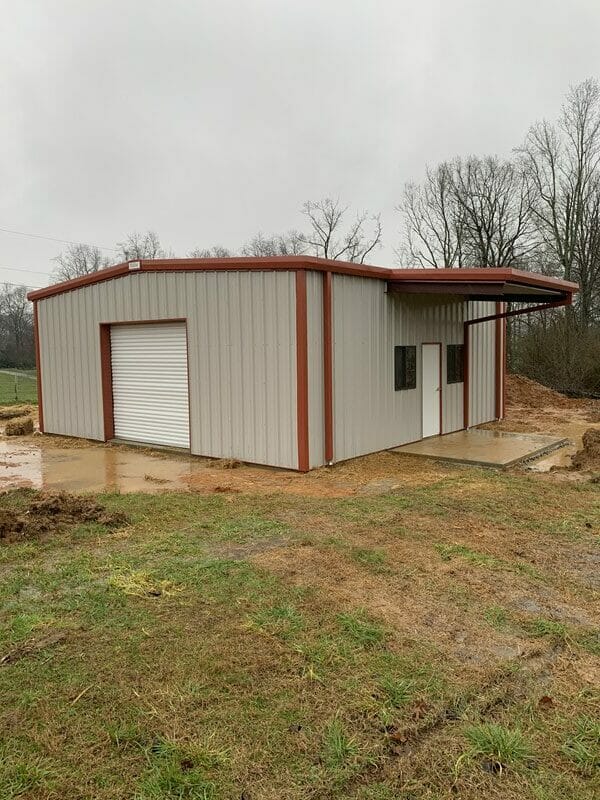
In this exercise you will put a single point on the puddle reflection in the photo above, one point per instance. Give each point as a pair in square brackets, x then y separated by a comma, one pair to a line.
[90, 469]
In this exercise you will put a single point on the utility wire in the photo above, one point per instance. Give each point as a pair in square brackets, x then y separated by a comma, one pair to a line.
[19, 285]
[62, 241]
[24, 269]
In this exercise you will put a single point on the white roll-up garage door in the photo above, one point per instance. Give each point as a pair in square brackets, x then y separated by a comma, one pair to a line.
[150, 383]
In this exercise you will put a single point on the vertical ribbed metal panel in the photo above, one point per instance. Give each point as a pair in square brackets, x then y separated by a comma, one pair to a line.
[368, 414]
[316, 412]
[482, 365]
[242, 356]
[150, 383]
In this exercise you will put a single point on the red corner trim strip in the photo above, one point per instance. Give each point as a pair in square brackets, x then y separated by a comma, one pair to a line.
[38, 364]
[107, 389]
[328, 364]
[302, 371]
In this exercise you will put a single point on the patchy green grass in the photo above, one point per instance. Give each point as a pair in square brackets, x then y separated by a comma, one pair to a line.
[550, 628]
[590, 641]
[18, 386]
[373, 560]
[249, 527]
[361, 629]
[175, 771]
[147, 663]
[496, 617]
[583, 745]
[21, 776]
[501, 747]
[449, 551]
[398, 691]
[338, 747]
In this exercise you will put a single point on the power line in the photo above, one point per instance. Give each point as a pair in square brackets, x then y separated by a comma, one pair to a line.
[24, 269]
[62, 241]
[19, 285]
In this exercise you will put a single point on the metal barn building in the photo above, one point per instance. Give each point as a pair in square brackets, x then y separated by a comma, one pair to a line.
[292, 362]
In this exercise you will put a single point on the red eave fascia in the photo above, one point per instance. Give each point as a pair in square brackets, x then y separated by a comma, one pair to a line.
[484, 275]
[240, 264]
[287, 263]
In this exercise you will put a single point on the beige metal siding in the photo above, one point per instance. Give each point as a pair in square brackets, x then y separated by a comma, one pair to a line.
[367, 323]
[482, 365]
[316, 397]
[242, 356]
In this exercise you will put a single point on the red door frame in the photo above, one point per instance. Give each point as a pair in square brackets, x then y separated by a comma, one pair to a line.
[108, 411]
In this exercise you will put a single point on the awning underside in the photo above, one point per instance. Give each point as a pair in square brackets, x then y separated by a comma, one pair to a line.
[501, 291]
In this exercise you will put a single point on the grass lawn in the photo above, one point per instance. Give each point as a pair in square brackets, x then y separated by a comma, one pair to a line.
[25, 390]
[437, 641]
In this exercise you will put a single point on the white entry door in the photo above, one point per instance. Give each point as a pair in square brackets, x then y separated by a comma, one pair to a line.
[150, 383]
[432, 390]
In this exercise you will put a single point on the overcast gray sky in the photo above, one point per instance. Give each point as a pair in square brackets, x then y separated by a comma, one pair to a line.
[209, 120]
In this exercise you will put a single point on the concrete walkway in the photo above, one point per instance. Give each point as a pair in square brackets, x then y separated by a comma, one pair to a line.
[484, 448]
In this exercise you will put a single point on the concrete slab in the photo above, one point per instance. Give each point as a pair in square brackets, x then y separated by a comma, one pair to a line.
[484, 448]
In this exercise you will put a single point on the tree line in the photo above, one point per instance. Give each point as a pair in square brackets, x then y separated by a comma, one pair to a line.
[333, 231]
[538, 209]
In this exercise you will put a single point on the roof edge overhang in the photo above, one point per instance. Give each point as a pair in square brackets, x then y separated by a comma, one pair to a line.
[489, 283]
[496, 290]
[501, 284]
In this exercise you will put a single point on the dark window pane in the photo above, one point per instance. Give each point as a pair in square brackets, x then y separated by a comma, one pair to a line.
[405, 367]
[454, 363]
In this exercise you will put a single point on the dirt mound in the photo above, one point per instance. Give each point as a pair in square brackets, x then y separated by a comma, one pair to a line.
[594, 414]
[11, 412]
[22, 426]
[524, 392]
[588, 458]
[227, 463]
[52, 513]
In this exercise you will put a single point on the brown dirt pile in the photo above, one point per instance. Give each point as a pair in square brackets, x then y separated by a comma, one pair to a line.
[22, 426]
[53, 513]
[594, 414]
[524, 392]
[11, 412]
[227, 463]
[588, 458]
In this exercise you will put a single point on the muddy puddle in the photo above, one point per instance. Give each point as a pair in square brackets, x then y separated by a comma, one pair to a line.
[91, 469]
[573, 430]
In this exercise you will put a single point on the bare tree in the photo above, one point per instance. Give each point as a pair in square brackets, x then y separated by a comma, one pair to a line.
[587, 259]
[78, 260]
[211, 252]
[16, 327]
[333, 236]
[562, 163]
[433, 221]
[468, 212]
[141, 245]
[495, 207]
[291, 243]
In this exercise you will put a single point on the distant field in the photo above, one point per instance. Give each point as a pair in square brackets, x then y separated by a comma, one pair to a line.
[17, 386]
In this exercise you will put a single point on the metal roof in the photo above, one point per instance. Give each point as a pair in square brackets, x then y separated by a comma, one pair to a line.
[505, 284]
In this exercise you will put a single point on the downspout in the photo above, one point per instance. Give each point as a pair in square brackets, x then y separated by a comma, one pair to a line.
[566, 301]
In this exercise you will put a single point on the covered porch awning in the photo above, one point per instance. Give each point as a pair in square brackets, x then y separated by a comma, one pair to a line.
[500, 285]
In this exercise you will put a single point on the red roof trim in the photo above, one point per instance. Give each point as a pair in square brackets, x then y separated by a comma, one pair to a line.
[287, 263]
